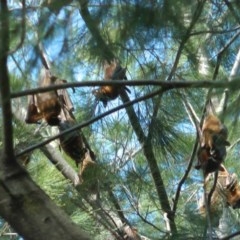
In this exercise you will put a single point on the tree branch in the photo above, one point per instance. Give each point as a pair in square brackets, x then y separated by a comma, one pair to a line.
[195, 119]
[39, 215]
[4, 83]
[67, 171]
[233, 85]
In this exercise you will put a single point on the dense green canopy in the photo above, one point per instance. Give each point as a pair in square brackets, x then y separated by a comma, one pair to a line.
[183, 54]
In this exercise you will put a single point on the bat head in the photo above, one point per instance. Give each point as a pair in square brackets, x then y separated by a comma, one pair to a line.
[119, 73]
[53, 121]
[100, 96]
[219, 139]
[208, 162]
[106, 93]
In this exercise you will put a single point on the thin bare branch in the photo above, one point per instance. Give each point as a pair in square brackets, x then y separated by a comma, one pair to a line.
[42, 55]
[153, 118]
[207, 207]
[151, 159]
[231, 236]
[105, 52]
[215, 31]
[234, 85]
[212, 189]
[183, 179]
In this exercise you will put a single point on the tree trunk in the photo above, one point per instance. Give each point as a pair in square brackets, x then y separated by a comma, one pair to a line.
[30, 211]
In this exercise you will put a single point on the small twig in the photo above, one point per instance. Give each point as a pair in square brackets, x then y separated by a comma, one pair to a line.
[43, 57]
[209, 226]
[183, 179]
[117, 206]
[135, 207]
[18, 65]
[195, 119]
[231, 236]
[213, 188]
[234, 144]
[153, 117]
[207, 200]
[215, 31]
[192, 115]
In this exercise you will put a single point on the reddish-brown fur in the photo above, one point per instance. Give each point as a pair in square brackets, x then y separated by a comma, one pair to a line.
[227, 191]
[44, 105]
[212, 126]
[33, 116]
[112, 71]
[213, 144]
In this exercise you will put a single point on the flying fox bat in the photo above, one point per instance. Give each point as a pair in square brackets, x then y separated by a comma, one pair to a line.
[213, 142]
[227, 192]
[112, 71]
[74, 143]
[47, 105]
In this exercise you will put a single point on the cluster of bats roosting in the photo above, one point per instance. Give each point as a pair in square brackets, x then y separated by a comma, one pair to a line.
[56, 108]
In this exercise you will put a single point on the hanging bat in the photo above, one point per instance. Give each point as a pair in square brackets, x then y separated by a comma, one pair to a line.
[227, 191]
[208, 161]
[72, 143]
[112, 71]
[213, 142]
[48, 102]
[75, 146]
[213, 132]
[47, 105]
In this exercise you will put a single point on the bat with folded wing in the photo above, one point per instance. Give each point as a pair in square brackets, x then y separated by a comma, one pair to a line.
[48, 105]
[112, 71]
